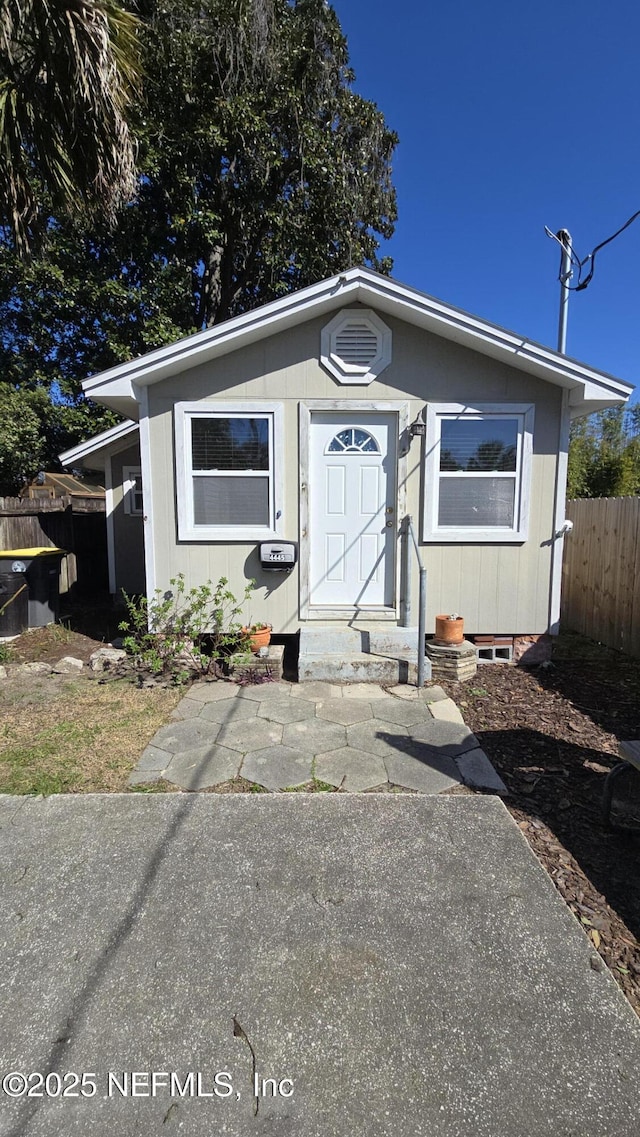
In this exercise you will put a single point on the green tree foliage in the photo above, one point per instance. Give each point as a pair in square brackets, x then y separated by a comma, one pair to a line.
[604, 454]
[21, 439]
[34, 428]
[263, 170]
[260, 171]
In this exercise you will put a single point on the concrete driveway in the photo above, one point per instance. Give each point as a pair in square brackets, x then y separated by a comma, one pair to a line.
[401, 963]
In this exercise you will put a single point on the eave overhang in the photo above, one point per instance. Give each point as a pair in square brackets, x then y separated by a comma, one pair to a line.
[588, 388]
[94, 451]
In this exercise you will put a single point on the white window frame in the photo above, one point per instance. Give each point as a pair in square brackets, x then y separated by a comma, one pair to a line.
[519, 532]
[187, 528]
[129, 476]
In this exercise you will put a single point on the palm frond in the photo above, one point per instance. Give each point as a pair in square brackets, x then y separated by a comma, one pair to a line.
[68, 71]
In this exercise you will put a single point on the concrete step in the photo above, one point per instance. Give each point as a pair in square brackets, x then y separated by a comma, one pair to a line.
[371, 654]
[392, 641]
[358, 667]
[319, 639]
[383, 639]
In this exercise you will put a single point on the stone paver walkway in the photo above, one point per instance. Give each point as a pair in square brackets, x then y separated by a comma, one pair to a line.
[284, 735]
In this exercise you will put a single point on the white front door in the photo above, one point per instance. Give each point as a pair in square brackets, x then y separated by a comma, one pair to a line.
[352, 509]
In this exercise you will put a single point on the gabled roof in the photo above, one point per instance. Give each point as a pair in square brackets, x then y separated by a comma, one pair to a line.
[589, 389]
[112, 440]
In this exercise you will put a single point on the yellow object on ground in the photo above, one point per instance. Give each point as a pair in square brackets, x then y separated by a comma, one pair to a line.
[38, 551]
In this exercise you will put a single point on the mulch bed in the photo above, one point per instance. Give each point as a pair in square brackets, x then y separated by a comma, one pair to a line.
[552, 733]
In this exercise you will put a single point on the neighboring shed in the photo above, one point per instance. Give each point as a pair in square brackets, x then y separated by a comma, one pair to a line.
[49, 484]
[66, 512]
[324, 419]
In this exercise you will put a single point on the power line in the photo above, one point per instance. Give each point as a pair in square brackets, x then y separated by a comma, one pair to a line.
[589, 260]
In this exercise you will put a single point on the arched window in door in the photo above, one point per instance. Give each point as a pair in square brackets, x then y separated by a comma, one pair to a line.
[353, 440]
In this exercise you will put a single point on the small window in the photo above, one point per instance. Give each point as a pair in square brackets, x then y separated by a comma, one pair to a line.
[477, 472]
[226, 471]
[132, 490]
[353, 441]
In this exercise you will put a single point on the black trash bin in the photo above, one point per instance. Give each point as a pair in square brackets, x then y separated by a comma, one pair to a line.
[14, 603]
[41, 569]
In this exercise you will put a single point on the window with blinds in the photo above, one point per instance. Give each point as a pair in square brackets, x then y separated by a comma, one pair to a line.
[477, 472]
[226, 471]
[230, 462]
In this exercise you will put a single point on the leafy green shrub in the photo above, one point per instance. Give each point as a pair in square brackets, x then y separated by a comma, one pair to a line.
[179, 633]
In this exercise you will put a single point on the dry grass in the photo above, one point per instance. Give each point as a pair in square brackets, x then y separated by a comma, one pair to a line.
[76, 736]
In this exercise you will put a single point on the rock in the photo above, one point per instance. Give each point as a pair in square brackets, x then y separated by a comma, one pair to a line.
[67, 665]
[3, 672]
[106, 658]
[33, 669]
[477, 771]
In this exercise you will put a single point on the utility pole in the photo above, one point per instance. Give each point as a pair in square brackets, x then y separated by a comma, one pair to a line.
[564, 237]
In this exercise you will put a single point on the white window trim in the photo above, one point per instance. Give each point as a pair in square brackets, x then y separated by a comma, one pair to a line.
[187, 529]
[524, 412]
[129, 475]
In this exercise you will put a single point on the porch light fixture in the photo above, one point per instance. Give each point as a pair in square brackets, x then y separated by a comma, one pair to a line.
[418, 427]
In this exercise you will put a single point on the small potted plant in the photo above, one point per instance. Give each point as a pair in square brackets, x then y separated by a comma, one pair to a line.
[258, 635]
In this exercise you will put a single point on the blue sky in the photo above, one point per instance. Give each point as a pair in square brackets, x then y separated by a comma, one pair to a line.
[512, 117]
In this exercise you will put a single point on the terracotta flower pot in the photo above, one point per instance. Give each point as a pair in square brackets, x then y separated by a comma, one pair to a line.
[259, 638]
[449, 630]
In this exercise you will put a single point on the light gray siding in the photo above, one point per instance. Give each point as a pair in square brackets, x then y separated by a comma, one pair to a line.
[128, 542]
[498, 588]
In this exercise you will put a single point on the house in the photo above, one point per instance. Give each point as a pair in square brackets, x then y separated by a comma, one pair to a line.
[324, 419]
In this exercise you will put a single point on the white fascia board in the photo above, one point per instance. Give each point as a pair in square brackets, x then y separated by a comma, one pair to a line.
[490, 339]
[370, 288]
[224, 338]
[104, 441]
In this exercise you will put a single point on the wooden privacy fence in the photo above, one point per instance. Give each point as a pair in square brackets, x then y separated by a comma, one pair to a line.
[601, 571]
[77, 526]
[27, 524]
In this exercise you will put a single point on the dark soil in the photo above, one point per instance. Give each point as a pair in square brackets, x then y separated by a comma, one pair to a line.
[83, 628]
[552, 733]
[50, 644]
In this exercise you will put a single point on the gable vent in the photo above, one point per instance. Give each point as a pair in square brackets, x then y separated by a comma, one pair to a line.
[357, 344]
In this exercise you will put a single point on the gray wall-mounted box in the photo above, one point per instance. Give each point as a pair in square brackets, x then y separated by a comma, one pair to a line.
[278, 556]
